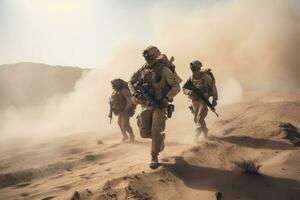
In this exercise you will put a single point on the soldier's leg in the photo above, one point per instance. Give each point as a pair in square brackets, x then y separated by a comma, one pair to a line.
[127, 127]
[202, 116]
[120, 123]
[144, 121]
[158, 126]
[196, 106]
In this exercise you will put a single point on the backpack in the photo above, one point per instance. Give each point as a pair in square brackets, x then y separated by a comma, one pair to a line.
[163, 59]
[210, 74]
[118, 102]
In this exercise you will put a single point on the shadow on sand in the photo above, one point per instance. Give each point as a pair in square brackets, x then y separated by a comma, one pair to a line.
[233, 184]
[260, 143]
[148, 143]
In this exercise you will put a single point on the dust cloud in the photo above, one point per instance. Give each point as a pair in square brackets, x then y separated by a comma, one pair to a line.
[254, 42]
[249, 45]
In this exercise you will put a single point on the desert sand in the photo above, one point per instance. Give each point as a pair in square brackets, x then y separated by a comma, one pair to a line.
[262, 126]
[55, 138]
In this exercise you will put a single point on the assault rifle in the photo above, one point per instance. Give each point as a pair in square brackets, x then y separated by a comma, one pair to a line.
[150, 100]
[143, 91]
[190, 86]
[110, 115]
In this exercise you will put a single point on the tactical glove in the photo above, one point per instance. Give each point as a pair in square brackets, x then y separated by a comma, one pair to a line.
[164, 102]
[192, 95]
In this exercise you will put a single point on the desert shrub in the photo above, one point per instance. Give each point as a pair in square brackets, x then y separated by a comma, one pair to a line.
[90, 157]
[250, 166]
[99, 141]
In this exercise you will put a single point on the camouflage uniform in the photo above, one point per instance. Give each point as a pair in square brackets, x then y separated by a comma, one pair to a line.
[124, 108]
[206, 83]
[163, 84]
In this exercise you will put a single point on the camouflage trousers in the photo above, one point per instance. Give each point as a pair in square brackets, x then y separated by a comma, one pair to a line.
[124, 124]
[151, 123]
[200, 112]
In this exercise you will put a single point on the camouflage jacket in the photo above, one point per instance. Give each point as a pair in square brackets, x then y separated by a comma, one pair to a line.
[162, 82]
[205, 83]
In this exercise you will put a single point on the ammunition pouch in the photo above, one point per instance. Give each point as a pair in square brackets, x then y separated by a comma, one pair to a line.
[170, 110]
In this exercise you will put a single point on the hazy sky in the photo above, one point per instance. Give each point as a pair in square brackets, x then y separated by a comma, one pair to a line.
[78, 32]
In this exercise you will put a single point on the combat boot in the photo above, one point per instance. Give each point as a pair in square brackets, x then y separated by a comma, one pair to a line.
[154, 161]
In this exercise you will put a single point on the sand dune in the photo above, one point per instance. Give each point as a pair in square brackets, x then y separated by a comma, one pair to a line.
[27, 84]
[262, 127]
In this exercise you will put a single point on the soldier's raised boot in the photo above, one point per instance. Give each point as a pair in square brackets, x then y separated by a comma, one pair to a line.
[154, 161]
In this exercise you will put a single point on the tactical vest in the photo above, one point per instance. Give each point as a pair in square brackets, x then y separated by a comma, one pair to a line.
[202, 83]
[155, 81]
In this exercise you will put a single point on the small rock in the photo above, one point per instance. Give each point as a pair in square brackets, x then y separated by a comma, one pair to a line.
[129, 187]
[75, 196]
[162, 180]
[218, 195]
[99, 141]
[137, 177]
[89, 191]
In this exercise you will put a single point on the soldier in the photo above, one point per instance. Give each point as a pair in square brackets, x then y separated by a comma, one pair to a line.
[159, 84]
[205, 81]
[121, 105]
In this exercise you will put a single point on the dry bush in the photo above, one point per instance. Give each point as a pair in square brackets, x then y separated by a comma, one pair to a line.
[90, 157]
[99, 141]
[250, 167]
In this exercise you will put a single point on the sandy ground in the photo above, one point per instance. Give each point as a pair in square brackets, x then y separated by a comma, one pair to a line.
[263, 126]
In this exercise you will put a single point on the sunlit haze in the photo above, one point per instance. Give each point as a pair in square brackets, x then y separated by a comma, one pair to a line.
[76, 32]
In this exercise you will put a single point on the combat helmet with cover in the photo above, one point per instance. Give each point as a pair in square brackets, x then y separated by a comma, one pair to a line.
[197, 65]
[153, 53]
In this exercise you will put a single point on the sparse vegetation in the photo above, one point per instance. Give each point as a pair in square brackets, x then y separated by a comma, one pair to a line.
[99, 141]
[90, 157]
[250, 167]
[292, 133]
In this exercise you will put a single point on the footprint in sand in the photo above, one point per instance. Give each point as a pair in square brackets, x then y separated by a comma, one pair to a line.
[48, 198]
[22, 185]
[25, 194]
[64, 187]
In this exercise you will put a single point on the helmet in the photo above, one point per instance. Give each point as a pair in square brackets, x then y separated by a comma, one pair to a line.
[195, 65]
[151, 53]
[117, 83]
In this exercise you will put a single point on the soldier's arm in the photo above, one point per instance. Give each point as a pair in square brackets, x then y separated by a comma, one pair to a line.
[215, 92]
[172, 82]
[213, 88]
[126, 93]
[134, 78]
[186, 91]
